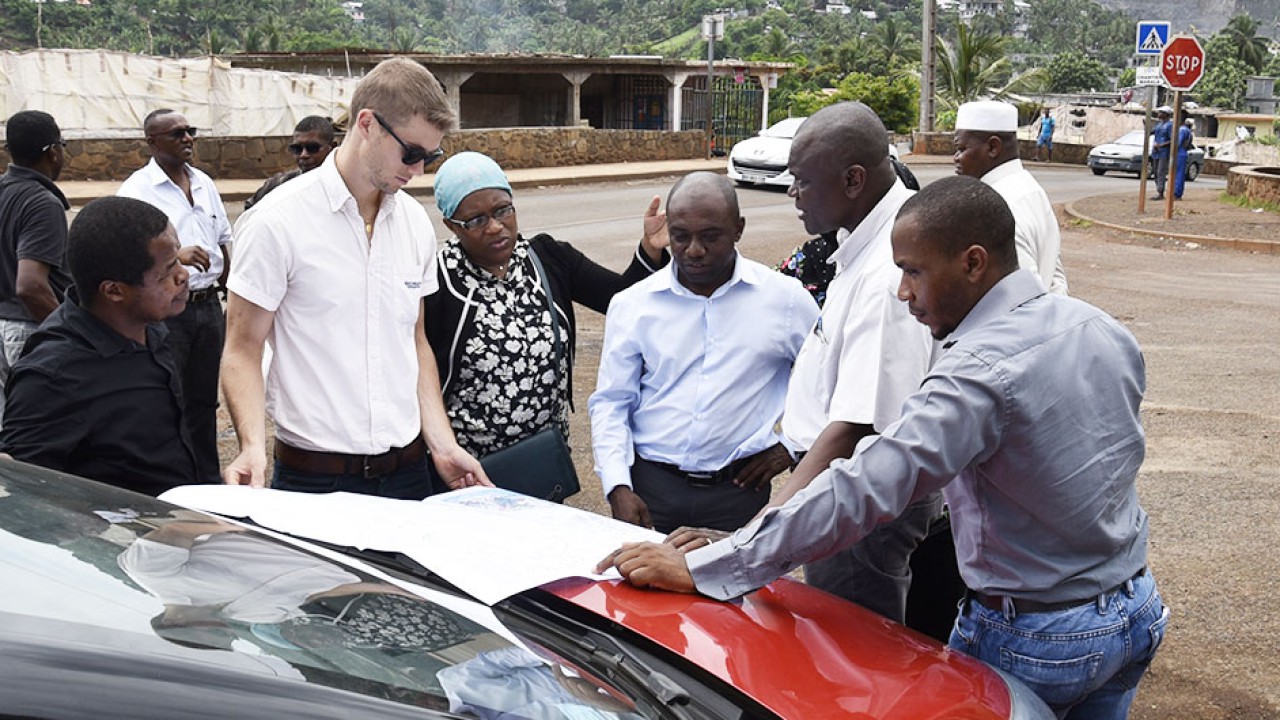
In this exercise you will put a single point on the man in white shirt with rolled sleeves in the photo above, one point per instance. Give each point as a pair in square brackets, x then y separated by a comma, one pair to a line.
[332, 269]
[866, 353]
[190, 199]
[694, 372]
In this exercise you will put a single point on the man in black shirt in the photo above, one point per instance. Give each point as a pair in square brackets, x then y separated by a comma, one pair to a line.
[33, 232]
[97, 392]
[313, 138]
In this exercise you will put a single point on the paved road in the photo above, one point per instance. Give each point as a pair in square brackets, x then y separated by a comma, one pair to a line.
[607, 213]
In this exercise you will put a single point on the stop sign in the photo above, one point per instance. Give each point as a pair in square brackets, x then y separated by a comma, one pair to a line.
[1182, 62]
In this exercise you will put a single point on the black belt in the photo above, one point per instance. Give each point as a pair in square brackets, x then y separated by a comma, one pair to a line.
[703, 479]
[1025, 607]
[204, 295]
[330, 463]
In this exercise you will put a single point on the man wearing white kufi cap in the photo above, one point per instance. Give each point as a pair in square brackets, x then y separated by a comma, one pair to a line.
[986, 145]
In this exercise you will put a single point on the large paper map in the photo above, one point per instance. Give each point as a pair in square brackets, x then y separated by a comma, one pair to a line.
[488, 542]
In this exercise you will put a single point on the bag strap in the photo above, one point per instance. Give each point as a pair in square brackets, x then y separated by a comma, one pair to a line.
[551, 305]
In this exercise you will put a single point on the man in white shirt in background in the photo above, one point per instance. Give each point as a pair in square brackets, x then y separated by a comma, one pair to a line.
[331, 270]
[694, 371]
[986, 144]
[191, 201]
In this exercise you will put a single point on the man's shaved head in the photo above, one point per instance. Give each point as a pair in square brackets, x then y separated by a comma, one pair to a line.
[848, 133]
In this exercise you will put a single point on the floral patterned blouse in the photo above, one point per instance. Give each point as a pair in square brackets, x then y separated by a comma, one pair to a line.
[509, 384]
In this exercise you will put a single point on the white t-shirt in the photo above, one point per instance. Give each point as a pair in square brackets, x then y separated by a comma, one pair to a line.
[344, 370]
[866, 353]
[258, 580]
[202, 222]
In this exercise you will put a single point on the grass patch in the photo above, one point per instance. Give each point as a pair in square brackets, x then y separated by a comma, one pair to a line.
[1244, 202]
[1081, 223]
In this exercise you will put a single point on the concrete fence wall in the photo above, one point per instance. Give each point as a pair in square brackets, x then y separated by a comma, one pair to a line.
[1259, 184]
[260, 157]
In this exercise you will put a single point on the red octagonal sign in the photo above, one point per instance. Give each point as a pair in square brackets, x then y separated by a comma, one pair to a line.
[1182, 62]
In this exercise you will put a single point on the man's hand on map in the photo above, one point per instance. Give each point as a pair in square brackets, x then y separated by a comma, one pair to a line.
[686, 538]
[651, 565]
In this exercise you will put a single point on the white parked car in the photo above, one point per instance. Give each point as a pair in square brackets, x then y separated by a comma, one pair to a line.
[762, 160]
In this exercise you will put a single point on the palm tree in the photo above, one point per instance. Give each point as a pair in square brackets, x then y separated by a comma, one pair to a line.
[1251, 49]
[975, 67]
[894, 42]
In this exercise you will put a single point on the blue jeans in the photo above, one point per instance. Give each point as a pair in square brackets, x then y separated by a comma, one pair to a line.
[1084, 662]
[411, 482]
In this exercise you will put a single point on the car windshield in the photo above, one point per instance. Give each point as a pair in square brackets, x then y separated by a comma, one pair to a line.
[1133, 137]
[783, 128]
[125, 575]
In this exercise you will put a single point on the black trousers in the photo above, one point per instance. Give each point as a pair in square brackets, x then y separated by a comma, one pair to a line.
[196, 338]
[673, 501]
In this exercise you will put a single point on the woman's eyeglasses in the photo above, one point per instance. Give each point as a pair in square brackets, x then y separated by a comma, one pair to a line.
[311, 147]
[482, 221]
[413, 154]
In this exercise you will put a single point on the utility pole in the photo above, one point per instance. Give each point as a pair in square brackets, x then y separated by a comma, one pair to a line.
[712, 30]
[928, 31]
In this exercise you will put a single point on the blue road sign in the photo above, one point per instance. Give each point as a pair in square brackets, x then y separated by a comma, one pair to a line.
[1152, 37]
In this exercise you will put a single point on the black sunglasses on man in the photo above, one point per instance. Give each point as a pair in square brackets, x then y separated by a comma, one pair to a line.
[413, 154]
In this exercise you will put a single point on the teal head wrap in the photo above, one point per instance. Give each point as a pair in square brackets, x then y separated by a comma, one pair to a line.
[463, 174]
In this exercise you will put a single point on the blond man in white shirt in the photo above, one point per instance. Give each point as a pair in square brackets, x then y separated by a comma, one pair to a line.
[331, 269]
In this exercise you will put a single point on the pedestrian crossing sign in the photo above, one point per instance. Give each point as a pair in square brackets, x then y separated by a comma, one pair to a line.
[1152, 37]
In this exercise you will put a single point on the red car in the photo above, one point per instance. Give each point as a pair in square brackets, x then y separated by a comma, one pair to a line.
[120, 605]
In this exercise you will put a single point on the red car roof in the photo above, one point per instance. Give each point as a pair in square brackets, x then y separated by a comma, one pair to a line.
[803, 653]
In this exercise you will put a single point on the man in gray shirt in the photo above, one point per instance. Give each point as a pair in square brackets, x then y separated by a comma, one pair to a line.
[1029, 420]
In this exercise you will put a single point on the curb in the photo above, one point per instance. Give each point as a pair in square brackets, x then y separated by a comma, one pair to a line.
[1265, 247]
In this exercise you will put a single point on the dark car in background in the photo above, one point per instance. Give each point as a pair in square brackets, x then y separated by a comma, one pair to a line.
[115, 604]
[1124, 154]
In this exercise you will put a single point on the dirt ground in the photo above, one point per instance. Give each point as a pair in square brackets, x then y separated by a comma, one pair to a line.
[1208, 320]
[1201, 212]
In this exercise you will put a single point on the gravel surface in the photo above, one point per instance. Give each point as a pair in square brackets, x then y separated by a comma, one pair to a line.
[1207, 320]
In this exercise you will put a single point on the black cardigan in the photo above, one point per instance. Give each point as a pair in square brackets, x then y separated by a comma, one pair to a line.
[574, 277]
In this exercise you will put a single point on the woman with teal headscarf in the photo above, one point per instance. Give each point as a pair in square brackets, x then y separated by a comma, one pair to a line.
[489, 324]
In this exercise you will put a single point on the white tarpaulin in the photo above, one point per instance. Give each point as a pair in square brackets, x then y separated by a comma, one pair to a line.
[99, 93]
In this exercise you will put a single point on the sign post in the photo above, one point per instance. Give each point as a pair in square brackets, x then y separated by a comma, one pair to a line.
[1152, 36]
[1181, 66]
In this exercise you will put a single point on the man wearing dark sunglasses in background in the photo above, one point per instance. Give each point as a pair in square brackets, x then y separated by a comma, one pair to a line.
[193, 205]
[332, 267]
[313, 138]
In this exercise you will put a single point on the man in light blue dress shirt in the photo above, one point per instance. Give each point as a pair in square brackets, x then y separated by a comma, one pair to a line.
[1030, 421]
[694, 373]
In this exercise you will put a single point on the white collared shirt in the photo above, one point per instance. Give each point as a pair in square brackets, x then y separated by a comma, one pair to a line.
[201, 222]
[1035, 226]
[344, 370]
[866, 353]
[693, 381]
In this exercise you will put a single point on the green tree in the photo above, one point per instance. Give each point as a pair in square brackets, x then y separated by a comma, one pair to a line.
[1242, 32]
[975, 67]
[1073, 72]
[895, 43]
[894, 99]
[1224, 81]
[1223, 84]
